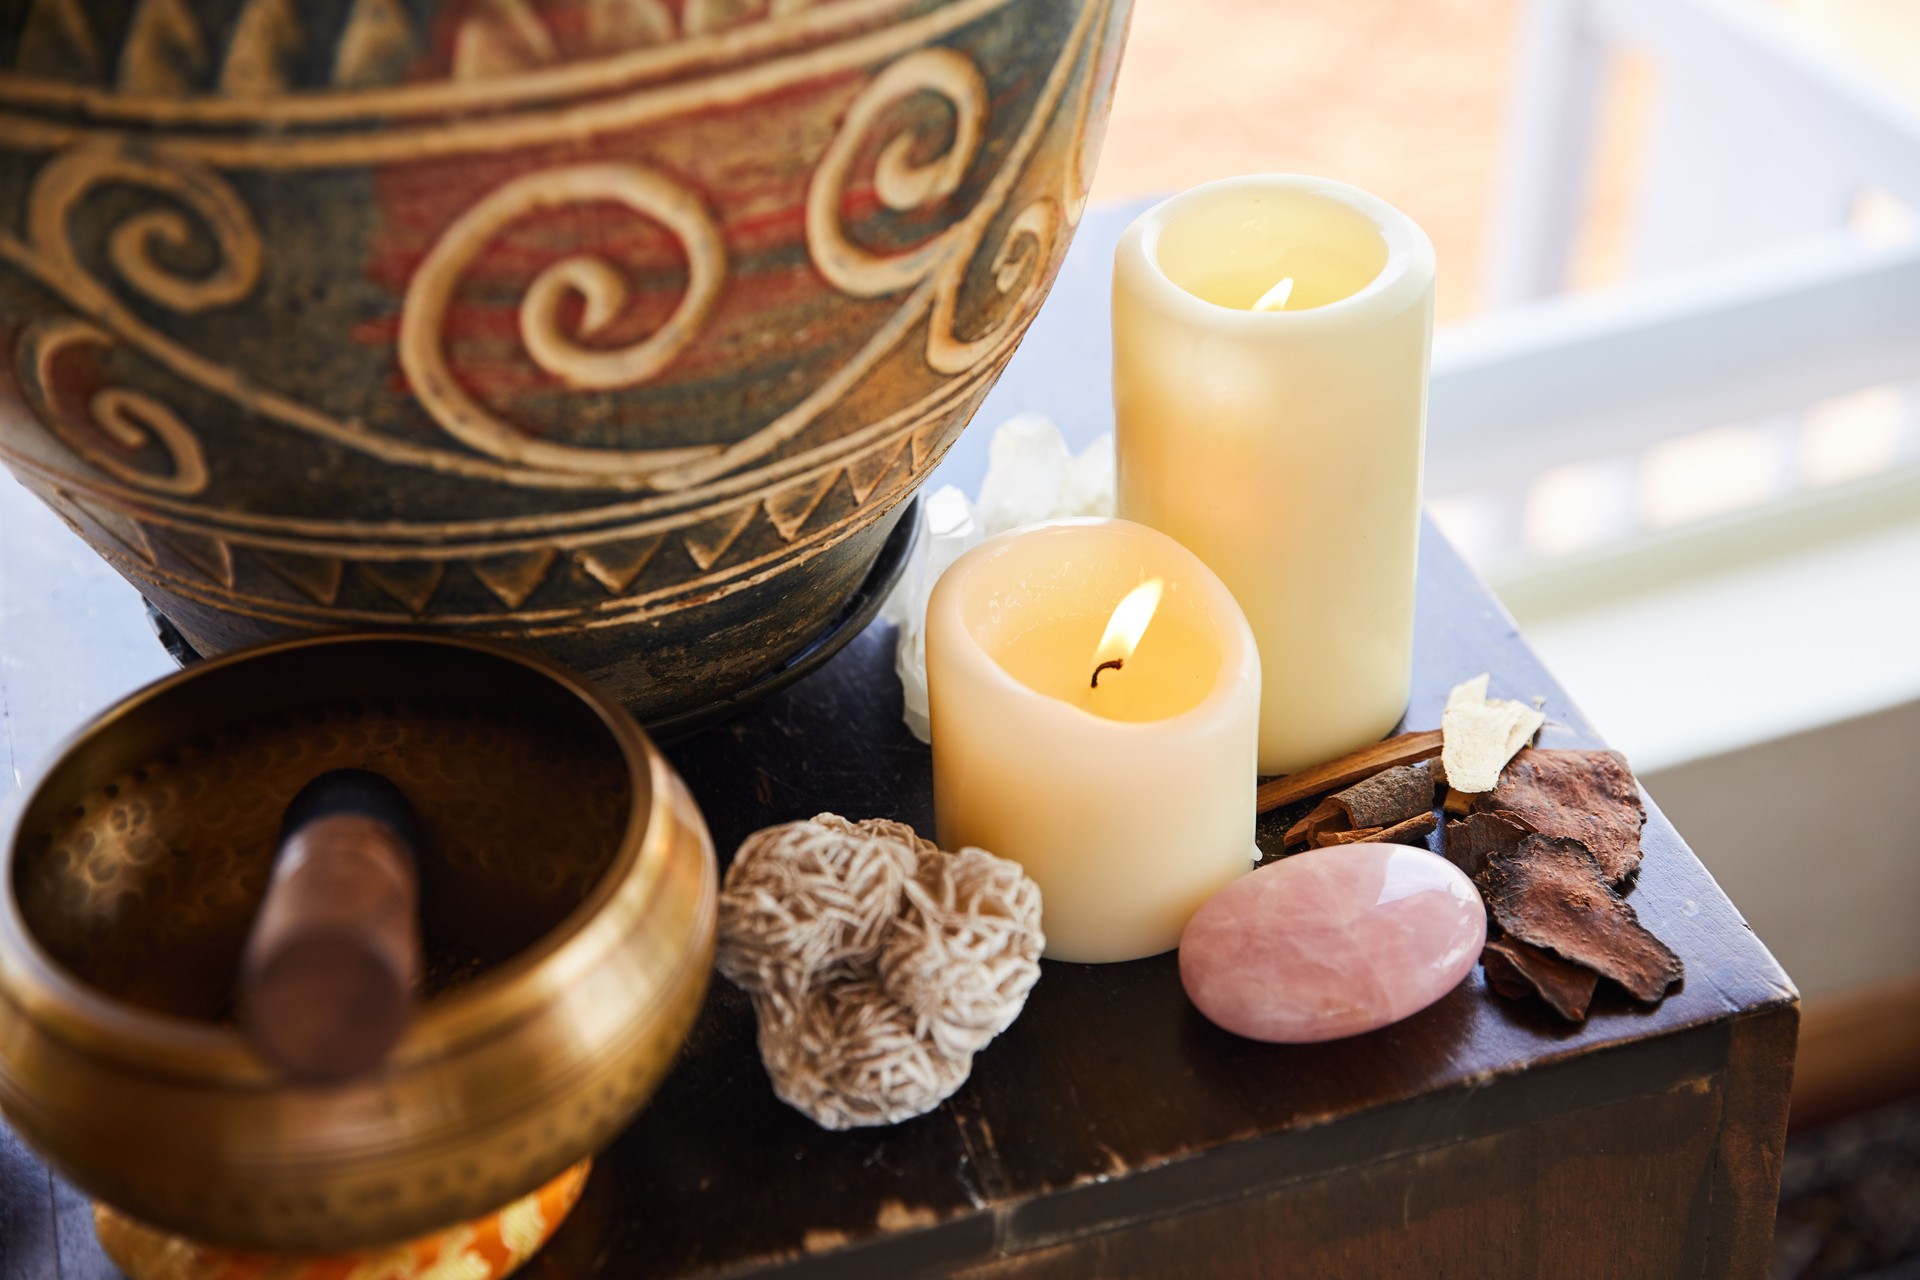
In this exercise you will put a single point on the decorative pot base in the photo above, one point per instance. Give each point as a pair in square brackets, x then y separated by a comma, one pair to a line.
[487, 1248]
[854, 616]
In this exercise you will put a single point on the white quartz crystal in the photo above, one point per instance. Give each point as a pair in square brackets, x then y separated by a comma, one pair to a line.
[1031, 476]
[949, 529]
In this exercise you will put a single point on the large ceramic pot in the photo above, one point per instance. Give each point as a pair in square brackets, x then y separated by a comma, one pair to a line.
[617, 327]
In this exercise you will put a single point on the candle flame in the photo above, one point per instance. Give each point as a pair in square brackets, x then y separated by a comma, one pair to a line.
[1275, 299]
[1128, 624]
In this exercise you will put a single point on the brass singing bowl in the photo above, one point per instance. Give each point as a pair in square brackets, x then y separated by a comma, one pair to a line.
[568, 912]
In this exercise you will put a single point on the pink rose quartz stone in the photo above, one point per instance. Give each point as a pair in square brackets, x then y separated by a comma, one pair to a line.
[1332, 942]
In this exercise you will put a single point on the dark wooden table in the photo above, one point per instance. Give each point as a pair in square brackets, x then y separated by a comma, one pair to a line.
[1112, 1131]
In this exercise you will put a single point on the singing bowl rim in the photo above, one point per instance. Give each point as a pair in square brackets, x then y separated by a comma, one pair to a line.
[63, 1004]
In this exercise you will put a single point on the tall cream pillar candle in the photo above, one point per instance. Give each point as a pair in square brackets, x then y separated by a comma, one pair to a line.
[1271, 338]
[1094, 691]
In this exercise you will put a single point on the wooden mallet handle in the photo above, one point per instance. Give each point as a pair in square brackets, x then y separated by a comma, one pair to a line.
[332, 968]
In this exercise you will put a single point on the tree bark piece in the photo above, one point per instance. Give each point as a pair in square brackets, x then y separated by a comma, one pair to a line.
[1388, 797]
[1589, 796]
[1471, 839]
[1348, 769]
[1551, 892]
[1517, 970]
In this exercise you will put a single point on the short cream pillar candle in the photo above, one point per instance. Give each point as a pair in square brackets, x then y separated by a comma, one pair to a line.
[1094, 693]
[1271, 340]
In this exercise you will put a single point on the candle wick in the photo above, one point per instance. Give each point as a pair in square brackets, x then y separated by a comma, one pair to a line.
[1115, 663]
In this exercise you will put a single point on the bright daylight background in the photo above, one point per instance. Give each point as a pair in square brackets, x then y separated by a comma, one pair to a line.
[1676, 416]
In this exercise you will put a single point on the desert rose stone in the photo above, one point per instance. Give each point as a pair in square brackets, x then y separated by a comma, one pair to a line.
[1332, 942]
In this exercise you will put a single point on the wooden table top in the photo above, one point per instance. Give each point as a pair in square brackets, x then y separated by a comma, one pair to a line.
[1110, 1100]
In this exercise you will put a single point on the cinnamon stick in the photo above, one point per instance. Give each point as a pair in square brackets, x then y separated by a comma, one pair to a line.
[1329, 839]
[1413, 831]
[1406, 748]
[1327, 817]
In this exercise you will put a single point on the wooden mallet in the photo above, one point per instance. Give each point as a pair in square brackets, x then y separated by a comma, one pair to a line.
[332, 968]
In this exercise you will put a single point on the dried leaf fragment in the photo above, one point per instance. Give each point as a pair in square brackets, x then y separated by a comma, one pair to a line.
[1517, 970]
[1550, 892]
[1589, 796]
[1480, 734]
